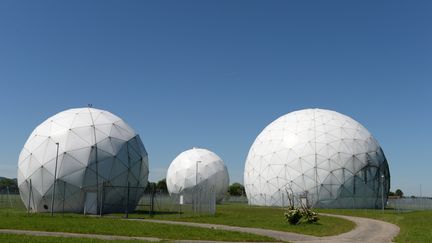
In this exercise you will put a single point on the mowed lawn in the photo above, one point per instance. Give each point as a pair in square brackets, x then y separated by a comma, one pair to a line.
[75, 223]
[266, 218]
[48, 239]
[415, 226]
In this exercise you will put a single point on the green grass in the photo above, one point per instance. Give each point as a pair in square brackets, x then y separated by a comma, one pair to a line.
[75, 223]
[47, 239]
[266, 218]
[415, 226]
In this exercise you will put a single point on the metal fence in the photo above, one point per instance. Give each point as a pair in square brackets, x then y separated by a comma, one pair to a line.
[235, 199]
[149, 201]
[10, 199]
[417, 203]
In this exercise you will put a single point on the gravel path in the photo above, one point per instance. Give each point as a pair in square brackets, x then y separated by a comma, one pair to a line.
[366, 230]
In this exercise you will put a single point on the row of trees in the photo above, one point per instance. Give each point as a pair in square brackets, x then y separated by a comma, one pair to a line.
[8, 184]
[398, 193]
[235, 189]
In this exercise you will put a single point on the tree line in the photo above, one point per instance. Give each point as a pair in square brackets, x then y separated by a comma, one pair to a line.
[235, 189]
[8, 184]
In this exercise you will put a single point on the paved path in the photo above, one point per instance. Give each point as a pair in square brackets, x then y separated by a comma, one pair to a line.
[367, 230]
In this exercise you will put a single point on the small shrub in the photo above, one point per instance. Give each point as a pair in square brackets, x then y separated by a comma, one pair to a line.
[293, 216]
[310, 216]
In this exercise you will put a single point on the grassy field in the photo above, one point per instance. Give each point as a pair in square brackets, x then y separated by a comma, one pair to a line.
[18, 219]
[415, 226]
[48, 239]
[266, 218]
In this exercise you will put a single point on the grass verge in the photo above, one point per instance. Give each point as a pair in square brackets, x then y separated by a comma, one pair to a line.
[266, 218]
[48, 239]
[74, 223]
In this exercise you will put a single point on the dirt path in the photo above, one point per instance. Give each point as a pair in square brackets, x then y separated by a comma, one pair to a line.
[366, 230]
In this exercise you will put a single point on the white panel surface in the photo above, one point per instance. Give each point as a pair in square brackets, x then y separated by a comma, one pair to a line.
[319, 153]
[82, 145]
[197, 168]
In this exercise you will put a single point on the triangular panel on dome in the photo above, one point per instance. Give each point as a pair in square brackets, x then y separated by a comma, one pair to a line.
[82, 119]
[81, 155]
[76, 178]
[117, 144]
[103, 118]
[117, 169]
[62, 123]
[74, 142]
[38, 152]
[33, 165]
[86, 133]
[120, 133]
[104, 130]
[105, 167]
[47, 180]
[69, 165]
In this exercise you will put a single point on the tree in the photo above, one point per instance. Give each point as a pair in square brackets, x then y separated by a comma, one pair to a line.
[161, 185]
[150, 187]
[391, 193]
[399, 193]
[10, 184]
[236, 189]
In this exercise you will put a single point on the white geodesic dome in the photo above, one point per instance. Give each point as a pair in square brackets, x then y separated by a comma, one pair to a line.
[93, 149]
[317, 154]
[195, 171]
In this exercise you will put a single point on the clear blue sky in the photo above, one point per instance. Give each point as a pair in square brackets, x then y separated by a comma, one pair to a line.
[214, 73]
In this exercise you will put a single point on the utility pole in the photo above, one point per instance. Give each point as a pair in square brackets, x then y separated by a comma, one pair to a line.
[55, 180]
[382, 191]
[196, 185]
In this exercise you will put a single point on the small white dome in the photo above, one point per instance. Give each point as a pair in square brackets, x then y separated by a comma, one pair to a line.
[200, 167]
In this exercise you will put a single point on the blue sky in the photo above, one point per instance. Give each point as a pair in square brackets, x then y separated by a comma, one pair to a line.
[214, 73]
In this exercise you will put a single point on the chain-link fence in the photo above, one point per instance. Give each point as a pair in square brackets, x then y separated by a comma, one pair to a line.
[410, 203]
[10, 198]
[235, 199]
[149, 201]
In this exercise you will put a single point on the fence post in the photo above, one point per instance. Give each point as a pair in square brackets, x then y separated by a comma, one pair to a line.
[127, 201]
[102, 200]
[64, 195]
[29, 195]
[9, 197]
[152, 200]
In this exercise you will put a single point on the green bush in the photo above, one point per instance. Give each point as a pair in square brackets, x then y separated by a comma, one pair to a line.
[310, 216]
[293, 216]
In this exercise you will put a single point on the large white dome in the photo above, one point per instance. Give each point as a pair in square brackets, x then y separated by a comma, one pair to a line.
[95, 148]
[321, 154]
[200, 167]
